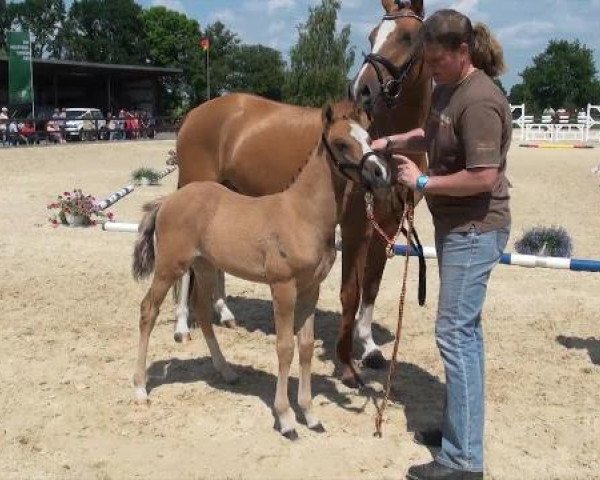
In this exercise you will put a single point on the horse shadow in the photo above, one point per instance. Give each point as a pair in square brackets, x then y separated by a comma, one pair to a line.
[255, 314]
[591, 344]
[420, 393]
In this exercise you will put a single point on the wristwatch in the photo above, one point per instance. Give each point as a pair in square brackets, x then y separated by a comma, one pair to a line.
[422, 182]
[388, 142]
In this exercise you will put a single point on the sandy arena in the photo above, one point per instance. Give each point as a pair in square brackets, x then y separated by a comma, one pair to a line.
[69, 314]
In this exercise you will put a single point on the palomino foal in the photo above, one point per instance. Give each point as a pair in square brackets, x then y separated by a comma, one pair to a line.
[285, 240]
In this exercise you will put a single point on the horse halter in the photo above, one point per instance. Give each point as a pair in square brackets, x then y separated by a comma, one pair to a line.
[392, 89]
[343, 166]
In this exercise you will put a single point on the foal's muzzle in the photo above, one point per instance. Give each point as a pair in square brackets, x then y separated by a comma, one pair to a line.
[375, 172]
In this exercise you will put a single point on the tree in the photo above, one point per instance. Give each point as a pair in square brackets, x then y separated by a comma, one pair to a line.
[44, 20]
[172, 41]
[257, 69]
[109, 31]
[498, 83]
[223, 45]
[321, 59]
[564, 75]
[4, 25]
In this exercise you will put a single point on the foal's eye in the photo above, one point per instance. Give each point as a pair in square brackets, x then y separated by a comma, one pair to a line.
[406, 38]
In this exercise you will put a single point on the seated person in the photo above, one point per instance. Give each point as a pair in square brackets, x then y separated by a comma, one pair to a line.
[27, 132]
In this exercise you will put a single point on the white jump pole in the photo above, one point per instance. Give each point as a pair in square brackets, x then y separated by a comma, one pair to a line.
[530, 261]
[115, 197]
[120, 227]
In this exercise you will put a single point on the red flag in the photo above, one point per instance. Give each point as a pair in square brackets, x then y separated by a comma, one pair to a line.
[205, 43]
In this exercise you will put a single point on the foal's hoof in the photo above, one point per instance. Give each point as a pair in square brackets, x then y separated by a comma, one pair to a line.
[182, 337]
[374, 360]
[291, 435]
[141, 396]
[318, 428]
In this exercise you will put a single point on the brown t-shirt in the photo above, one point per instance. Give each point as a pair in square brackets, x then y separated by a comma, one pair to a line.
[469, 126]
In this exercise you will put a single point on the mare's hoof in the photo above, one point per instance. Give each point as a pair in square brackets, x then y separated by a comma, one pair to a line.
[319, 428]
[375, 360]
[291, 435]
[230, 377]
[229, 323]
[182, 337]
[350, 381]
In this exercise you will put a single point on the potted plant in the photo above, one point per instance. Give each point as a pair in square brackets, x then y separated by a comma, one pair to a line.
[145, 176]
[76, 209]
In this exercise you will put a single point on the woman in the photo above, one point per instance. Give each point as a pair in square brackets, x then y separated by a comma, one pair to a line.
[466, 136]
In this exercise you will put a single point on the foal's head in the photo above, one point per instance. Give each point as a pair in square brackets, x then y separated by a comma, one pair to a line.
[347, 142]
[395, 61]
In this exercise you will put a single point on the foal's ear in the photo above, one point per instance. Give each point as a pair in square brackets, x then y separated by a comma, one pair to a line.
[327, 115]
[389, 5]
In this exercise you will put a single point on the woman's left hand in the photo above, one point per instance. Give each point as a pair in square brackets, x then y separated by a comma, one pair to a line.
[408, 172]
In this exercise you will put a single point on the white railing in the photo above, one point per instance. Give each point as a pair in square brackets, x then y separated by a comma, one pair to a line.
[587, 128]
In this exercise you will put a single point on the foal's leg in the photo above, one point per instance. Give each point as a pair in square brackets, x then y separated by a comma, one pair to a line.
[226, 317]
[205, 282]
[149, 311]
[306, 343]
[182, 331]
[284, 301]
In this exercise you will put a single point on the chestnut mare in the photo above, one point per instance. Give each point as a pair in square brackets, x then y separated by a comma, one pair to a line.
[255, 146]
[285, 240]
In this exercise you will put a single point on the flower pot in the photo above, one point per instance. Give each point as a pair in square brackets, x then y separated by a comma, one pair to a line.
[76, 220]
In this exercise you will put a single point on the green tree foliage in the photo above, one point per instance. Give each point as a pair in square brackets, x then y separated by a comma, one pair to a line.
[44, 20]
[3, 26]
[256, 69]
[106, 31]
[321, 59]
[172, 41]
[564, 75]
[498, 83]
[223, 46]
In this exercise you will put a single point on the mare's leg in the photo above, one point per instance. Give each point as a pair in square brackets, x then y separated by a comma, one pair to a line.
[226, 317]
[355, 238]
[284, 302]
[203, 295]
[182, 331]
[305, 320]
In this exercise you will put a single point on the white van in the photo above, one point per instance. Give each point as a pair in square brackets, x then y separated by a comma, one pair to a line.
[78, 127]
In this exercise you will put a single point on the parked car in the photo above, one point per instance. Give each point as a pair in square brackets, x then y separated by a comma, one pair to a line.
[79, 126]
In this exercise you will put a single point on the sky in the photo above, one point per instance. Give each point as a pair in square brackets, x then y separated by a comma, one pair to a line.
[524, 27]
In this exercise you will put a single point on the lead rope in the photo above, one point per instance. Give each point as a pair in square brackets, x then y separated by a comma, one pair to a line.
[408, 217]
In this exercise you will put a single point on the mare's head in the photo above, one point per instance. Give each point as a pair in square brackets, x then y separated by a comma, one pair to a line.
[395, 60]
[347, 142]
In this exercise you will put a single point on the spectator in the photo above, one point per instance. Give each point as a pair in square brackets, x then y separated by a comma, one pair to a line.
[113, 127]
[53, 130]
[3, 125]
[27, 133]
[88, 126]
[13, 133]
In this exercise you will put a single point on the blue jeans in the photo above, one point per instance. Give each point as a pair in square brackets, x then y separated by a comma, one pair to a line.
[465, 262]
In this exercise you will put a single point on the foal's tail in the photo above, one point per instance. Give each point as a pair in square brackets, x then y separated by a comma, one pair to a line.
[143, 253]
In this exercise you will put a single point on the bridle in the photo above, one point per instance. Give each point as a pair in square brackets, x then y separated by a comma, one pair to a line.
[392, 89]
[343, 166]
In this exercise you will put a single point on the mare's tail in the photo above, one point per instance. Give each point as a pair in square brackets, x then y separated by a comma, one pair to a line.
[143, 253]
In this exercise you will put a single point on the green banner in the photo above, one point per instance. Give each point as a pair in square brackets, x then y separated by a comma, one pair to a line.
[19, 68]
